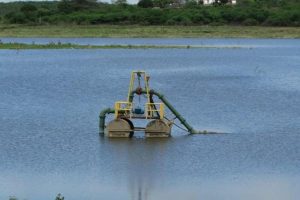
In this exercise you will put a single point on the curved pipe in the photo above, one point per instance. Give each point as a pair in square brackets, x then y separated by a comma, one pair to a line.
[172, 109]
[102, 116]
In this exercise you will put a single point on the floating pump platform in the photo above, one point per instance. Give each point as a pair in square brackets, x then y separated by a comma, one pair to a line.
[154, 112]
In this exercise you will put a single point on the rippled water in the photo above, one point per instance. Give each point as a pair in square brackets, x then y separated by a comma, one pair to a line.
[50, 102]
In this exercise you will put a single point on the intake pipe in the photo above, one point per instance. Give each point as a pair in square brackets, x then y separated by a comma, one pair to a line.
[102, 116]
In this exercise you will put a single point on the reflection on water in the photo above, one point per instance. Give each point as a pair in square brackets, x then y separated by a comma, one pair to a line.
[143, 162]
[50, 102]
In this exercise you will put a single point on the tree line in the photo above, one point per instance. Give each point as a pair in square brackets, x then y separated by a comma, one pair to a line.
[153, 12]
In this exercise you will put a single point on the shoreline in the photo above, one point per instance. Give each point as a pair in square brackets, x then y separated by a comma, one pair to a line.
[20, 46]
[137, 31]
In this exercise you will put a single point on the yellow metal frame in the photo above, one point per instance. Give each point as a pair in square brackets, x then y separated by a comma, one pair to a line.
[150, 110]
[123, 107]
[134, 75]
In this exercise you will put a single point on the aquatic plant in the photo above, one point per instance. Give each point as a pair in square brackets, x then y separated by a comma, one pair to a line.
[59, 197]
[13, 198]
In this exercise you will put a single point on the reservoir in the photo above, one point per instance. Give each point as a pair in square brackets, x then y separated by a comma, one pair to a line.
[49, 112]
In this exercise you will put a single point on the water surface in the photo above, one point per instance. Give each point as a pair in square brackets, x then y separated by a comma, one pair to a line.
[50, 102]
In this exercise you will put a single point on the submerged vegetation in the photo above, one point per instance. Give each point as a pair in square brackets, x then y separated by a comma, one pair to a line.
[153, 12]
[60, 45]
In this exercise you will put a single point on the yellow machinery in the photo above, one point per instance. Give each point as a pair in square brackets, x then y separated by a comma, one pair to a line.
[126, 111]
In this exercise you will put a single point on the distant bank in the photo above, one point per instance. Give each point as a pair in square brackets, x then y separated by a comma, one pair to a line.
[59, 45]
[138, 31]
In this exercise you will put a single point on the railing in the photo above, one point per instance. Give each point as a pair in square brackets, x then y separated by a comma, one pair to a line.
[152, 108]
[123, 108]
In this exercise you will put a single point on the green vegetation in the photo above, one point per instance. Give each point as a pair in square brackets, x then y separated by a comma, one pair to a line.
[151, 18]
[147, 31]
[77, 46]
[153, 12]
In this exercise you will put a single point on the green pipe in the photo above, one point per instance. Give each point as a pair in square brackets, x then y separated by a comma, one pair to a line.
[102, 119]
[172, 109]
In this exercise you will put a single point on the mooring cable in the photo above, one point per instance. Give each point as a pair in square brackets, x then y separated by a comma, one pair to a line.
[172, 121]
[181, 128]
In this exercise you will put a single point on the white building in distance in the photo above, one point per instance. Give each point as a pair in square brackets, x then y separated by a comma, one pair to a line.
[209, 2]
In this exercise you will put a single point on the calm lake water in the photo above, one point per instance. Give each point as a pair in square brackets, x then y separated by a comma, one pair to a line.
[50, 101]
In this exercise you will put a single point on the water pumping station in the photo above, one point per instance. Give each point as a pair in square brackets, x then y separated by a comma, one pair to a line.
[158, 125]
